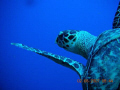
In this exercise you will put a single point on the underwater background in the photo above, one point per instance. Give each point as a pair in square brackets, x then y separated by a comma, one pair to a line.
[36, 23]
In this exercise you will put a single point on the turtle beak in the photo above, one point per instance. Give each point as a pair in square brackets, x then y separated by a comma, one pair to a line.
[57, 37]
[56, 41]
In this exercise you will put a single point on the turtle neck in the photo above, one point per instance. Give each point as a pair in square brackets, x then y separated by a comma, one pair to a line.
[83, 43]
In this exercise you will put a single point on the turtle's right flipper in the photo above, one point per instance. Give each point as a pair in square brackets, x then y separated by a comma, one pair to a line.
[116, 22]
[72, 64]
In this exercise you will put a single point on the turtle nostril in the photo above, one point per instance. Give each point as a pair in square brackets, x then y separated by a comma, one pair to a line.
[67, 45]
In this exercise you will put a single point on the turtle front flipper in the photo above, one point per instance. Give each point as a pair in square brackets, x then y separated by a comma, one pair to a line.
[72, 64]
[116, 22]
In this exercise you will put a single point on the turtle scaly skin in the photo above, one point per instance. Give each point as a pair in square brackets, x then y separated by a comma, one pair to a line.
[102, 53]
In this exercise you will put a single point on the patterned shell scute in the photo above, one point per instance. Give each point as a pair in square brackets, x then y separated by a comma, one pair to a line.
[105, 38]
[105, 63]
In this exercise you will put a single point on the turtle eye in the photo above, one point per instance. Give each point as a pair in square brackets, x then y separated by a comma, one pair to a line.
[71, 37]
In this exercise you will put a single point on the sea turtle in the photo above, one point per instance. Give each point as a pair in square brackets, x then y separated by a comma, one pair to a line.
[102, 71]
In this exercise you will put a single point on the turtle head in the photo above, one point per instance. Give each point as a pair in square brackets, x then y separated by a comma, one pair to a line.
[76, 41]
[66, 39]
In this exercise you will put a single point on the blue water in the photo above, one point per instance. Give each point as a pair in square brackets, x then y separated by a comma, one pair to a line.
[36, 23]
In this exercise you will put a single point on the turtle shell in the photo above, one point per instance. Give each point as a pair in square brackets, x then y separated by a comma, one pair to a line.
[103, 67]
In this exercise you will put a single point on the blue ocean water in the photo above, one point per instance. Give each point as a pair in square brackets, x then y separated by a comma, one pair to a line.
[36, 23]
